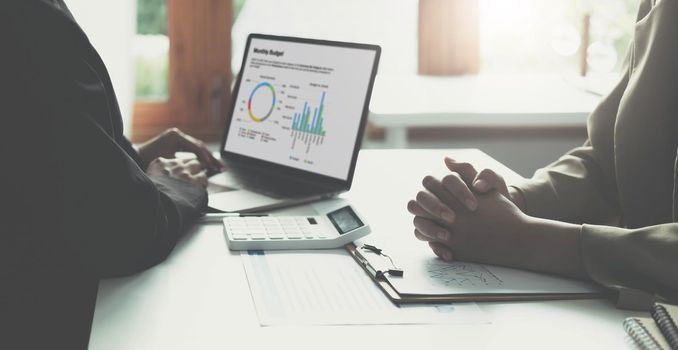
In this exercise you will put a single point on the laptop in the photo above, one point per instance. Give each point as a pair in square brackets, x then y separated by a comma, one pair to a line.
[298, 114]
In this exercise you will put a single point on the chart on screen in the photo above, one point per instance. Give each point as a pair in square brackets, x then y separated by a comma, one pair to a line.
[301, 105]
[297, 113]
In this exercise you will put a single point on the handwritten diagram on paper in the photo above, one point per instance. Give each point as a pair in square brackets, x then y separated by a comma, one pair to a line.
[426, 275]
[460, 274]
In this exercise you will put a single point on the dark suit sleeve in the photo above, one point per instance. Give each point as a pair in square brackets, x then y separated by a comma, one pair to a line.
[115, 217]
[101, 208]
[127, 147]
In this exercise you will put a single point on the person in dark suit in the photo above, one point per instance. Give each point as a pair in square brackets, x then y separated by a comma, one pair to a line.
[79, 202]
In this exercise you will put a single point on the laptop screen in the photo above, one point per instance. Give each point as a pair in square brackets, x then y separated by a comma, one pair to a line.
[301, 104]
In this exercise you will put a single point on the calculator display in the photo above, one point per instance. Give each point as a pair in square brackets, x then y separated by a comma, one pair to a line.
[345, 220]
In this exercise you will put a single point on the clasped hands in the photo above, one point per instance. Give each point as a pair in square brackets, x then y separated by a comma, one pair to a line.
[470, 215]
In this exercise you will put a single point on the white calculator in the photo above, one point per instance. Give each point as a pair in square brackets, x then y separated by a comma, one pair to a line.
[332, 230]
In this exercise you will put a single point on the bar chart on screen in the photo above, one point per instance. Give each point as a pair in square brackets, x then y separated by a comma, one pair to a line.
[308, 128]
[300, 105]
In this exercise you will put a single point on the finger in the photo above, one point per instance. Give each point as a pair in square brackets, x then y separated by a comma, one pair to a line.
[176, 170]
[488, 180]
[421, 236]
[415, 209]
[435, 207]
[222, 165]
[168, 162]
[200, 178]
[216, 162]
[465, 170]
[441, 251]
[188, 143]
[200, 150]
[156, 166]
[455, 185]
[182, 173]
[431, 229]
[194, 166]
[436, 188]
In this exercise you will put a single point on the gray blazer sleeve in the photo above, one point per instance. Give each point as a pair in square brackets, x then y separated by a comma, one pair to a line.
[644, 258]
[584, 185]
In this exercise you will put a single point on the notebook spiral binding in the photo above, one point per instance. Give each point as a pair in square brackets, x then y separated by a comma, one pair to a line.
[644, 340]
[666, 324]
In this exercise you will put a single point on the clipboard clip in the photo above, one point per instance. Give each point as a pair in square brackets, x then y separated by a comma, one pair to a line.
[395, 271]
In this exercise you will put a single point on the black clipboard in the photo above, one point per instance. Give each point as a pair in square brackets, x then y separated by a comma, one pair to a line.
[390, 291]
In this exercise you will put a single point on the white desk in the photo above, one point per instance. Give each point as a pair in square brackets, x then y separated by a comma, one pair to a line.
[199, 298]
[399, 102]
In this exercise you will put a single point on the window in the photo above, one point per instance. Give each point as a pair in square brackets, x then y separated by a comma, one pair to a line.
[183, 76]
[151, 51]
[392, 24]
[533, 36]
[516, 36]
[183, 48]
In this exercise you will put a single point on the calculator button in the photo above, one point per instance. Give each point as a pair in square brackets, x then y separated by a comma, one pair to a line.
[276, 235]
[258, 235]
[294, 235]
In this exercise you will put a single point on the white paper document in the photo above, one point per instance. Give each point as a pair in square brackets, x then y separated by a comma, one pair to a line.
[329, 288]
[425, 274]
[432, 276]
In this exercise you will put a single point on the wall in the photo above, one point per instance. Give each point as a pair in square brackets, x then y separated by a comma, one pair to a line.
[111, 26]
[521, 150]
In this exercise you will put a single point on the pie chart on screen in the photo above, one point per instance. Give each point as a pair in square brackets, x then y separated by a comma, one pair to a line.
[261, 103]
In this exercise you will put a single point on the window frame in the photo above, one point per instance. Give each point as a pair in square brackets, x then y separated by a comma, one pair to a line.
[199, 72]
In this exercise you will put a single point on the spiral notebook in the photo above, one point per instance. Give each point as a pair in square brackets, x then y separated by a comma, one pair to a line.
[645, 333]
[665, 317]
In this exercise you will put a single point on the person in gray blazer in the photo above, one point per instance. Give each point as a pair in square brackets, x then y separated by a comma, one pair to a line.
[606, 211]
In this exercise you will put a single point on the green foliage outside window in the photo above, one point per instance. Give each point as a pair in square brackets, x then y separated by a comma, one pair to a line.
[237, 6]
[152, 55]
[152, 17]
